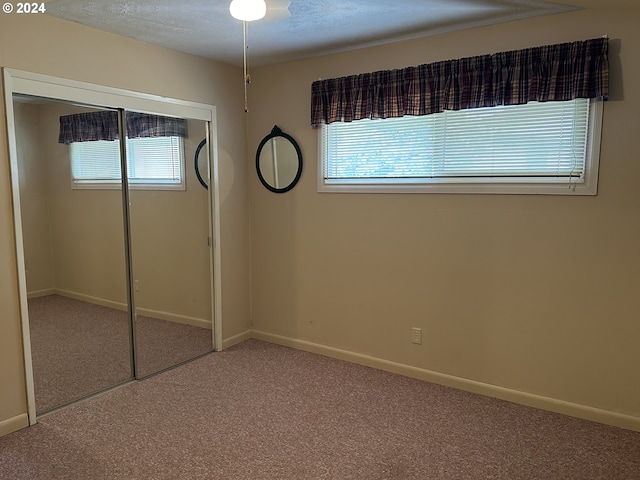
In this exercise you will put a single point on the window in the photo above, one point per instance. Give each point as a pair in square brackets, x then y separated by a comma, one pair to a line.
[153, 163]
[549, 147]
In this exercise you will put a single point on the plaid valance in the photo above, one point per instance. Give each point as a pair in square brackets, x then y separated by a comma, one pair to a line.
[554, 72]
[103, 125]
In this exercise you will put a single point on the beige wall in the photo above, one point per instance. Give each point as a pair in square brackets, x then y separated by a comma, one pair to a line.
[34, 200]
[46, 45]
[87, 235]
[535, 294]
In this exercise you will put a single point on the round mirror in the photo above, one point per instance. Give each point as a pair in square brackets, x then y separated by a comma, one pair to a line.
[279, 161]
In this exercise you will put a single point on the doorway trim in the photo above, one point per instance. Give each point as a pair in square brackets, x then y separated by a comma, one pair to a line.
[45, 86]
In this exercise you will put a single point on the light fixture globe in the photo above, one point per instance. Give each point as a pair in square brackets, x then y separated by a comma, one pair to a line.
[248, 10]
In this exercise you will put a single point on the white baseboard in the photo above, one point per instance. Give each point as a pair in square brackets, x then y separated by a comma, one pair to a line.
[89, 299]
[170, 317]
[14, 424]
[175, 318]
[41, 293]
[234, 340]
[545, 403]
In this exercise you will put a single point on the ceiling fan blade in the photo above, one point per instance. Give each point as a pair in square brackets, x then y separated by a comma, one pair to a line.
[277, 9]
[276, 14]
[277, 4]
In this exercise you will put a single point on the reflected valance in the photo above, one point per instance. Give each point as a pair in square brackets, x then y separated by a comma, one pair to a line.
[103, 125]
[549, 73]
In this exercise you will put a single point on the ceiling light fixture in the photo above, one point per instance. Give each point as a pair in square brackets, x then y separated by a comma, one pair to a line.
[248, 10]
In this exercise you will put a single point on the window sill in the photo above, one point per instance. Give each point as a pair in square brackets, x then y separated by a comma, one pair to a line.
[532, 187]
[132, 186]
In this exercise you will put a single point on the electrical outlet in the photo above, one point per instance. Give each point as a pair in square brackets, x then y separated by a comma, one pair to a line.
[416, 335]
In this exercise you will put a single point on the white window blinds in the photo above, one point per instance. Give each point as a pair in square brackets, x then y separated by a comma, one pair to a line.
[151, 161]
[541, 140]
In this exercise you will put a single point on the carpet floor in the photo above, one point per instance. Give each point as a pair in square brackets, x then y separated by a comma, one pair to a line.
[79, 348]
[262, 411]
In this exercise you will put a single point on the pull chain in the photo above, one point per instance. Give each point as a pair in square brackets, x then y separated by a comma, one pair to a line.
[247, 77]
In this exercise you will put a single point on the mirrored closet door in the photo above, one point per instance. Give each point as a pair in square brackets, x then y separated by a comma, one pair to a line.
[74, 252]
[115, 221]
[170, 240]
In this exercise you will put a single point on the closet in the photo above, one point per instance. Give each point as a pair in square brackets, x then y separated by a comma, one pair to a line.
[115, 210]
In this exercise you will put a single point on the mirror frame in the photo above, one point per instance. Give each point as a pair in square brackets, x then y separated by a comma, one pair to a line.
[277, 132]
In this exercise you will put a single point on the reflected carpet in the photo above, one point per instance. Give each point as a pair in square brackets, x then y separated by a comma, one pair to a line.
[79, 348]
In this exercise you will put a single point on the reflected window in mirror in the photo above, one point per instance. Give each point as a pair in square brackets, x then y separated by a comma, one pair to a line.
[156, 162]
[154, 144]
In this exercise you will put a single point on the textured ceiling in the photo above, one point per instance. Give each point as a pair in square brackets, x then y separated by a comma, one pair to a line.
[314, 27]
